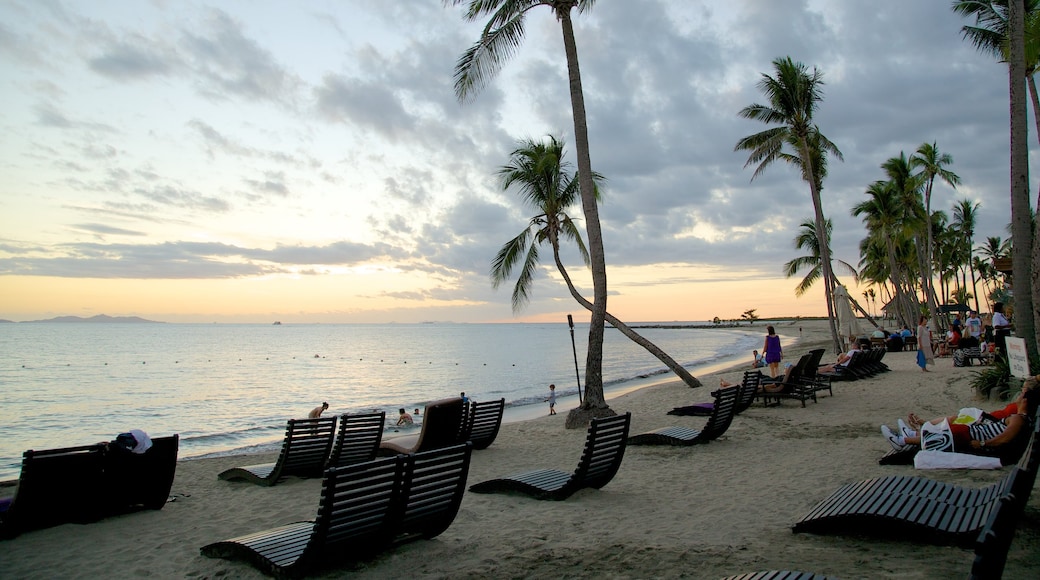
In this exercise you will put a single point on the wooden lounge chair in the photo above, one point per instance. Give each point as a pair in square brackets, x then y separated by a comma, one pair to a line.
[364, 508]
[794, 386]
[483, 421]
[140, 481]
[748, 387]
[87, 483]
[718, 423]
[305, 449]
[357, 439]
[441, 427]
[53, 488]
[919, 508]
[778, 575]
[604, 449]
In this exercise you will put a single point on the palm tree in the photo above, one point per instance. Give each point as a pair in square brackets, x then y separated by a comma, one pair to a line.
[542, 179]
[499, 40]
[965, 215]
[932, 164]
[882, 213]
[794, 95]
[807, 240]
[1010, 29]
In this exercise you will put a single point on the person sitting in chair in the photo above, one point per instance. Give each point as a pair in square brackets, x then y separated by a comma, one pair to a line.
[843, 360]
[991, 434]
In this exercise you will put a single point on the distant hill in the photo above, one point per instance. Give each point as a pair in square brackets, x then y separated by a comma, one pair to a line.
[100, 318]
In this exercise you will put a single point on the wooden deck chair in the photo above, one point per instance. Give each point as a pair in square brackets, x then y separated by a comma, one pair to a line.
[441, 427]
[364, 508]
[793, 385]
[720, 420]
[305, 449]
[56, 486]
[778, 575]
[604, 450]
[748, 387]
[357, 439]
[353, 520]
[132, 481]
[483, 421]
[912, 508]
[812, 377]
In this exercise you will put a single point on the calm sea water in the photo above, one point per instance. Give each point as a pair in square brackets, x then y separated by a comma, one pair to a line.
[231, 387]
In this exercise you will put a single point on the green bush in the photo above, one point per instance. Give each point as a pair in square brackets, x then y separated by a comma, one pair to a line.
[993, 378]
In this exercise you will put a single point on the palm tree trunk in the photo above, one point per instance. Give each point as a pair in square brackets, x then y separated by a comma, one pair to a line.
[1024, 255]
[595, 403]
[635, 337]
[926, 271]
[821, 236]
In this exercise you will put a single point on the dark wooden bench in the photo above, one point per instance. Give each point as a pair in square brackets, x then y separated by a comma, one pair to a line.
[604, 450]
[87, 483]
[305, 449]
[746, 396]
[721, 418]
[364, 508]
[357, 439]
[441, 427]
[795, 385]
[483, 421]
[919, 508]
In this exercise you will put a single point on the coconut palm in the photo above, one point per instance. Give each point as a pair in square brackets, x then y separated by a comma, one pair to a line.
[1010, 29]
[883, 214]
[931, 164]
[793, 96]
[965, 214]
[542, 179]
[807, 240]
[499, 40]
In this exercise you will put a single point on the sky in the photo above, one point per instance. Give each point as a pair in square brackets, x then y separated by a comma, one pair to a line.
[252, 161]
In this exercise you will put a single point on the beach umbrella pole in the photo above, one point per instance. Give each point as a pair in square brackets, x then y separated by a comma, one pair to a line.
[577, 377]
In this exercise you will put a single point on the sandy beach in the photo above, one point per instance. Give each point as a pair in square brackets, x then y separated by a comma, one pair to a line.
[706, 511]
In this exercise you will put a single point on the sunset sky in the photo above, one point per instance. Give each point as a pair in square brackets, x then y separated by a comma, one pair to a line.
[254, 161]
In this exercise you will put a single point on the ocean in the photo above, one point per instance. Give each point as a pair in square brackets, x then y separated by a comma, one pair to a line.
[229, 388]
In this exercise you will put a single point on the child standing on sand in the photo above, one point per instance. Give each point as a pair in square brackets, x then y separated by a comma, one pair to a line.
[552, 399]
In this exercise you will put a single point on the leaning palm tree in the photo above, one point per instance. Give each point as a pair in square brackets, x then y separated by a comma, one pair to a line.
[542, 180]
[794, 95]
[499, 40]
[931, 164]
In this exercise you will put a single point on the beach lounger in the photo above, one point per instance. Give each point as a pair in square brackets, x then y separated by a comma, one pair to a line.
[364, 508]
[357, 439]
[604, 450]
[795, 386]
[748, 387]
[305, 449]
[483, 421]
[87, 483]
[720, 420]
[136, 481]
[778, 575]
[919, 508]
[441, 427]
[56, 486]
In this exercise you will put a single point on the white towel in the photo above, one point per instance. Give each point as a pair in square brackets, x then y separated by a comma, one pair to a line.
[952, 460]
[144, 442]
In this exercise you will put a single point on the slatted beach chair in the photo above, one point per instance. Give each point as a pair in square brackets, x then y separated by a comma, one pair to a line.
[357, 439]
[133, 481]
[919, 508]
[305, 449]
[794, 386]
[748, 387]
[778, 575]
[604, 450]
[54, 487]
[719, 421]
[441, 427]
[364, 508]
[483, 421]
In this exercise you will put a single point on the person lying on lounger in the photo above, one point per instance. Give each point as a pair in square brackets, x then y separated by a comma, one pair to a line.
[985, 436]
[843, 360]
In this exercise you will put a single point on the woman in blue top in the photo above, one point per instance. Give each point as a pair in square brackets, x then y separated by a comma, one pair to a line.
[773, 351]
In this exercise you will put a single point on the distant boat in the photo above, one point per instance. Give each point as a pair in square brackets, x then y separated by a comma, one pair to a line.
[277, 323]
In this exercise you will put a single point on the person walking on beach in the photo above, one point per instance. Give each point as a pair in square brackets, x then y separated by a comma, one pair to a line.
[773, 351]
[924, 344]
[552, 399]
[316, 411]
